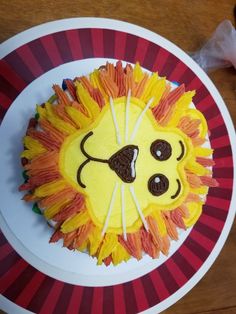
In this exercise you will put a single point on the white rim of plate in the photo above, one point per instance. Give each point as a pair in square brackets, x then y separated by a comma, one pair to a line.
[90, 22]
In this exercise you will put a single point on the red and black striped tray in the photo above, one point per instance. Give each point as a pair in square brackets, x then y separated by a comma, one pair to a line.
[31, 289]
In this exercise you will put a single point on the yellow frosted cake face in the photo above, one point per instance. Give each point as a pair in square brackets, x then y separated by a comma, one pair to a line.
[93, 161]
[117, 163]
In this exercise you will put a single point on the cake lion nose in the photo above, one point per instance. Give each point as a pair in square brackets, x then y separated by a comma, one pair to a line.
[123, 163]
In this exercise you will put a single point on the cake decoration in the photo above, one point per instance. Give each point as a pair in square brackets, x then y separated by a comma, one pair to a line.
[116, 163]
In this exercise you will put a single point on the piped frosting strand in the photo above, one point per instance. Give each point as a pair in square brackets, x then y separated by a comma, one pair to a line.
[138, 207]
[139, 120]
[123, 211]
[115, 121]
[133, 163]
[127, 115]
[110, 209]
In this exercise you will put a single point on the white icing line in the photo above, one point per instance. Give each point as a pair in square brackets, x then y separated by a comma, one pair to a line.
[110, 209]
[69, 95]
[139, 120]
[127, 115]
[133, 162]
[52, 223]
[131, 188]
[115, 121]
[123, 211]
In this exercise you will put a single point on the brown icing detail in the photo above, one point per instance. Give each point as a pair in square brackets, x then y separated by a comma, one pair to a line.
[24, 161]
[158, 188]
[121, 163]
[102, 67]
[32, 123]
[79, 173]
[85, 153]
[182, 151]
[178, 189]
[161, 150]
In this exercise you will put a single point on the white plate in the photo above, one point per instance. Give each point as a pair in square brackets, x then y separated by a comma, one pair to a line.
[27, 232]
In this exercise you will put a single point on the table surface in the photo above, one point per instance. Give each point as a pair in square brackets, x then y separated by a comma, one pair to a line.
[188, 24]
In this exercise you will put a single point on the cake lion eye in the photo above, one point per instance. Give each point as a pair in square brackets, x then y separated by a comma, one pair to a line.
[158, 184]
[161, 150]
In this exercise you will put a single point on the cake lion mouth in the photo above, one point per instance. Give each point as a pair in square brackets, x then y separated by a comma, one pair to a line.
[122, 162]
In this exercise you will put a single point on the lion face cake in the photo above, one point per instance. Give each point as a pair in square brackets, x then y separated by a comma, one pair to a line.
[116, 162]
